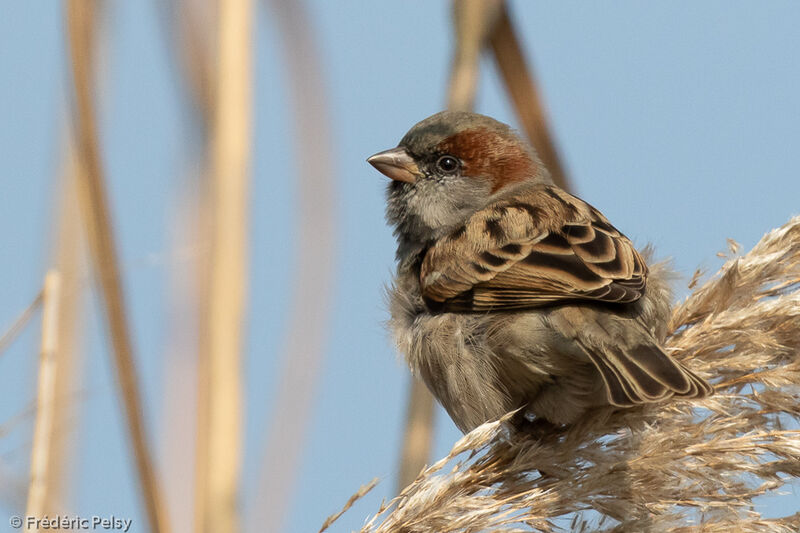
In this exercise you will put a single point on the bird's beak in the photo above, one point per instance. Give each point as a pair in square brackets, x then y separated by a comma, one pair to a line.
[396, 164]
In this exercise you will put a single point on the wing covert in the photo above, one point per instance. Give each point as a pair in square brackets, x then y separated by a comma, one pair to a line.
[542, 248]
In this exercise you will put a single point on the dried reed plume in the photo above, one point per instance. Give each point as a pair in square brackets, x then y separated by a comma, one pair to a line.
[680, 466]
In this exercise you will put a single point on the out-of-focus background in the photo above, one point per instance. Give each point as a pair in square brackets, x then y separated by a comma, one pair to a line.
[680, 121]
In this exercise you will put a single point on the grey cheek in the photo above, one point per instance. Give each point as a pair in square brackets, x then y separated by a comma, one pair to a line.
[433, 206]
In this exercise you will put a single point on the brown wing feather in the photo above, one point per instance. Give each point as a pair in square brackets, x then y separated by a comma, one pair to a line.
[545, 247]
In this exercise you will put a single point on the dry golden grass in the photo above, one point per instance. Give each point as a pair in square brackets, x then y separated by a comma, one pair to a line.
[679, 466]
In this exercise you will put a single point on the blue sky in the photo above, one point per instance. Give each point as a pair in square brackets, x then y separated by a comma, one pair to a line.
[680, 121]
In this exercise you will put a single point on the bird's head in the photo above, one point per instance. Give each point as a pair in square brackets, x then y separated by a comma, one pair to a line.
[449, 166]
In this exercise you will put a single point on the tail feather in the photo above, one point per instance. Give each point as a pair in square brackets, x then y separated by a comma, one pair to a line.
[645, 373]
[619, 393]
[649, 385]
[661, 367]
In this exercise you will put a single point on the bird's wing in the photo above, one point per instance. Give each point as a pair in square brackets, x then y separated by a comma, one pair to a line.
[542, 247]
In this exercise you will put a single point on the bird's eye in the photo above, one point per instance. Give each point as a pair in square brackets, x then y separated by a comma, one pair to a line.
[447, 164]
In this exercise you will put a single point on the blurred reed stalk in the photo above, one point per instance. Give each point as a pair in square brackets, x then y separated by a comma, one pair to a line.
[313, 268]
[190, 30]
[16, 327]
[68, 260]
[525, 96]
[219, 452]
[97, 217]
[193, 21]
[473, 21]
[45, 398]
[185, 299]
[477, 23]
[418, 436]
[679, 466]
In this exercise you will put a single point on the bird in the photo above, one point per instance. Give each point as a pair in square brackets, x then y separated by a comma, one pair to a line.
[512, 294]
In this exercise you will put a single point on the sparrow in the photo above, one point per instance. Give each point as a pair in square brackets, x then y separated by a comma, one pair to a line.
[511, 293]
